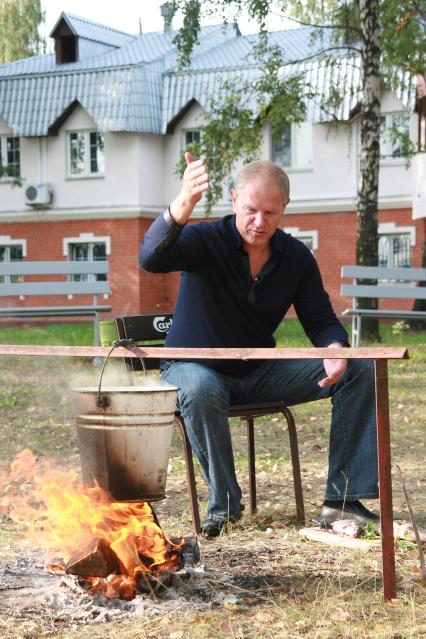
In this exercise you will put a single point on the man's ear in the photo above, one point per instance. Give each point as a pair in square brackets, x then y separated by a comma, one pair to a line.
[286, 205]
[233, 195]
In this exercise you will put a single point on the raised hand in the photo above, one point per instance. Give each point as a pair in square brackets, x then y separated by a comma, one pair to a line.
[195, 178]
[195, 183]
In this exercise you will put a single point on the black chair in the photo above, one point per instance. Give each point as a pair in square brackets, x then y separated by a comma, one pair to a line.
[151, 330]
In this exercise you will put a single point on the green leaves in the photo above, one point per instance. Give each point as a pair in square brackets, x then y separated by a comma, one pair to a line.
[404, 35]
[19, 36]
[237, 115]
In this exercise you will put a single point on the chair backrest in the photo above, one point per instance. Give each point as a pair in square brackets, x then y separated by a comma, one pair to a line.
[145, 330]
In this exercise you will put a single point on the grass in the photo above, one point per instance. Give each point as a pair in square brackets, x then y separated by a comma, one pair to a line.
[283, 585]
[72, 334]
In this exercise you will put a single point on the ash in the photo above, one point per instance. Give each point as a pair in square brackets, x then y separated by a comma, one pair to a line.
[28, 591]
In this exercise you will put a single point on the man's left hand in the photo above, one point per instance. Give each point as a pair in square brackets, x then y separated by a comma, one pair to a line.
[334, 369]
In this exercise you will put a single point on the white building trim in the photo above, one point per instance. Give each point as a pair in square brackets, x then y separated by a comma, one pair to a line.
[86, 238]
[6, 240]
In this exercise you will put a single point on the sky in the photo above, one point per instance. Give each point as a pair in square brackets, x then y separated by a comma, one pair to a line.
[125, 15]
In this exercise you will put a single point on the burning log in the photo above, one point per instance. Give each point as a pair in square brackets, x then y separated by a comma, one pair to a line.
[189, 550]
[94, 560]
[97, 559]
[122, 548]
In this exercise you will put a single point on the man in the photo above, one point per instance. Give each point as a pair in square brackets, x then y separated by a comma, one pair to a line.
[239, 277]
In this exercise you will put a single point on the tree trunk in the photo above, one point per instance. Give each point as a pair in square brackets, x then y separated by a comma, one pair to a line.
[420, 305]
[368, 184]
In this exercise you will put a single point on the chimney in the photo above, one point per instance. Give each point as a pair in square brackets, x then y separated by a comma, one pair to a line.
[167, 12]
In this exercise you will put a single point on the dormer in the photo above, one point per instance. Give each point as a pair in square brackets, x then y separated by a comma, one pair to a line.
[78, 39]
[66, 43]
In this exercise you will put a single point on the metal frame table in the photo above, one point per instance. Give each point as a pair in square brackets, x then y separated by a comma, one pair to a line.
[380, 356]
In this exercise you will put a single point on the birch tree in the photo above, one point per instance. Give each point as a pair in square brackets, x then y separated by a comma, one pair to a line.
[368, 185]
[19, 35]
[388, 35]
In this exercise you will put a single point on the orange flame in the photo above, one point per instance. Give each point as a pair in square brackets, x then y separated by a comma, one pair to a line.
[64, 515]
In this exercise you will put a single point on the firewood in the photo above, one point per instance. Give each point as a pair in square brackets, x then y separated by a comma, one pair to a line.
[96, 559]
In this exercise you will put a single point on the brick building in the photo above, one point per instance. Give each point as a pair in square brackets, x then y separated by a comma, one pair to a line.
[95, 131]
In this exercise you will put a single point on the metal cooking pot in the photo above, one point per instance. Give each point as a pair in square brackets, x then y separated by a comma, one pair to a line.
[124, 435]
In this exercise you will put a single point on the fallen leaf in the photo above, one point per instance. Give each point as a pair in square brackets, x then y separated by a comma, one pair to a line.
[263, 617]
[340, 615]
[225, 627]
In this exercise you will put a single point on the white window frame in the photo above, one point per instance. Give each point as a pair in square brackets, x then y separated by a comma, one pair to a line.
[87, 173]
[386, 144]
[86, 238]
[7, 241]
[299, 134]
[184, 134]
[3, 155]
[391, 229]
[294, 231]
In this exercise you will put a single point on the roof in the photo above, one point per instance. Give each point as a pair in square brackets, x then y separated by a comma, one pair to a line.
[131, 84]
[93, 30]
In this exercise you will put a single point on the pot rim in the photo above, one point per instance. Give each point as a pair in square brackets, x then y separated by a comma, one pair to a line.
[160, 388]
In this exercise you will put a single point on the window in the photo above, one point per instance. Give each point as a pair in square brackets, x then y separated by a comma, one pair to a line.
[309, 238]
[395, 245]
[68, 49]
[88, 252]
[87, 248]
[192, 136]
[10, 158]
[86, 153]
[14, 251]
[395, 250]
[394, 131]
[294, 148]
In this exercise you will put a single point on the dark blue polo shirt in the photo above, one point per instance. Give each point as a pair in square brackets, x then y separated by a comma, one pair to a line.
[220, 305]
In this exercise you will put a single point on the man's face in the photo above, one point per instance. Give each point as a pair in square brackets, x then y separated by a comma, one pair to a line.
[259, 208]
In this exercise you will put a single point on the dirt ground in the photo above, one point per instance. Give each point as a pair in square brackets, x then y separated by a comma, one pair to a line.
[262, 578]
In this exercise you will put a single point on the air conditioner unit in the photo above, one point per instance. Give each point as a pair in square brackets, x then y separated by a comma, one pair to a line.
[39, 195]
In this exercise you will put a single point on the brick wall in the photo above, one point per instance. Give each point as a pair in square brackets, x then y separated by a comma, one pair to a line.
[337, 246]
[45, 242]
[135, 291]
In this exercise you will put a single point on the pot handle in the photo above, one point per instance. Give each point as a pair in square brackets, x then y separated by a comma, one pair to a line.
[103, 402]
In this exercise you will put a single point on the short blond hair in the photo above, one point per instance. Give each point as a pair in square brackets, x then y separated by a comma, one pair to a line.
[263, 169]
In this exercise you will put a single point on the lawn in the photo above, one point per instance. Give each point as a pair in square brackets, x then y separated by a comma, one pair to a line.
[266, 580]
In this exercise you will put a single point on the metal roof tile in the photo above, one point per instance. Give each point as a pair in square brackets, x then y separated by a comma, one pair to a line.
[93, 30]
[135, 87]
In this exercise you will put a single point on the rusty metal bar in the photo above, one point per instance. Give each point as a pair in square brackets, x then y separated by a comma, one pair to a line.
[207, 353]
[252, 465]
[385, 479]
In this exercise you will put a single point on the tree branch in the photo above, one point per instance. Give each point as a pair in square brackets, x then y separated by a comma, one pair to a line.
[320, 53]
[418, 9]
[342, 27]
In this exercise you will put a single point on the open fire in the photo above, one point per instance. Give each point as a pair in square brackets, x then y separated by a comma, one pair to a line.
[117, 548]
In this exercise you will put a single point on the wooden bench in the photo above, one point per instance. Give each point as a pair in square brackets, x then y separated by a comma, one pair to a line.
[388, 283]
[45, 280]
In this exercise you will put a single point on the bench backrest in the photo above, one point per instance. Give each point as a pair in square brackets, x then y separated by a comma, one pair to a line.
[398, 287]
[145, 330]
[63, 287]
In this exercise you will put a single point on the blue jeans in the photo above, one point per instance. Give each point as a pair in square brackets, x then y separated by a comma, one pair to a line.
[205, 395]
